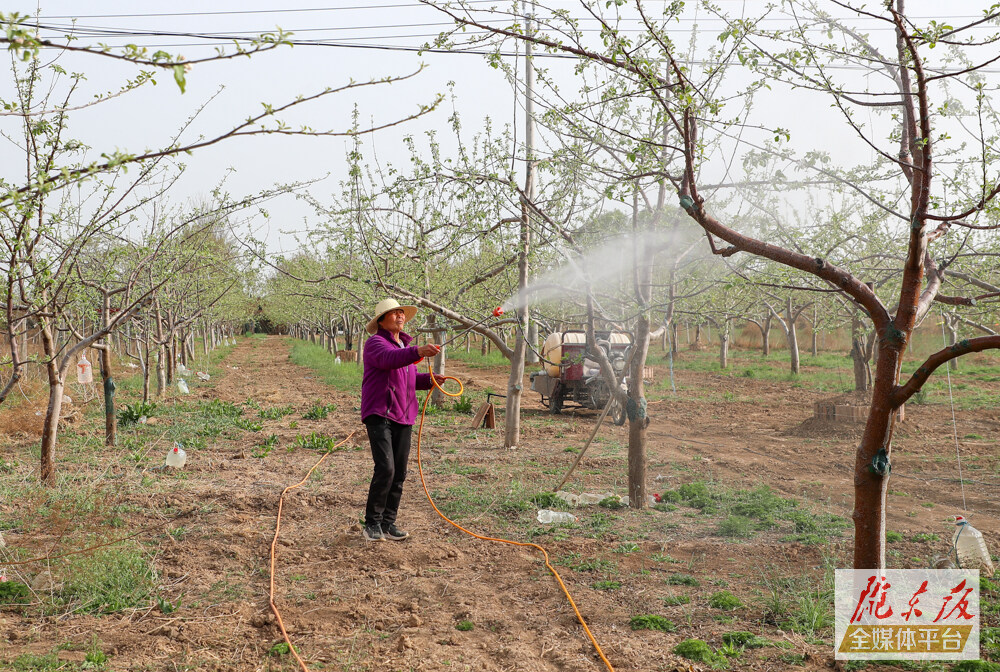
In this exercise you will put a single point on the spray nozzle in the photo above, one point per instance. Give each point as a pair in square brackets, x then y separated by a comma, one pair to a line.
[498, 311]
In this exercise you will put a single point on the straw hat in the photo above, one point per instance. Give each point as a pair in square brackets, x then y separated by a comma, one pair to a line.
[383, 307]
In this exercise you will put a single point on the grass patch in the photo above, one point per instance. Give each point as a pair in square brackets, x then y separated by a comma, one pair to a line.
[464, 626]
[700, 652]
[675, 600]
[344, 377]
[744, 640]
[652, 622]
[107, 581]
[682, 580]
[606, 585]
[724, 600]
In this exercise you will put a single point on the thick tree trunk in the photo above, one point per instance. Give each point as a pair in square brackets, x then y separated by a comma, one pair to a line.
[638, 421]
[870, 487]
[50, 429]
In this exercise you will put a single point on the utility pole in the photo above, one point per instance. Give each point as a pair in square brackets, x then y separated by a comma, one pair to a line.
[512, 416]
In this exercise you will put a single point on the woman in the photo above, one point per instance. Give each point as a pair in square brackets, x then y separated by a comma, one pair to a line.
[389, 409]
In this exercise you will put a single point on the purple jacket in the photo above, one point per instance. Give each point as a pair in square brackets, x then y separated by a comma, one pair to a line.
[390, 383]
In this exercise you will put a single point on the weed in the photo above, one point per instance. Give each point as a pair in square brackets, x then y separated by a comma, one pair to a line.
[248, 425]
[314, 441]
[736, 526]
[744, 640]
[109, 580]
[724, 600]
[166, 606]
[463, 404]
[682, 580]
[606, 585]
[652, 622]
[279, 649]
[546, 500]
[792, 658]
[698, 651]
[276, 413]
[12, 592]
[319, 412]
[924, 536]
[675, 600]
[975, 666]
[264, 449]
[131, 413]
[613, 502]
[663, 557]
[577, 563]
[893, 537]
[626, 547]
[464, 626]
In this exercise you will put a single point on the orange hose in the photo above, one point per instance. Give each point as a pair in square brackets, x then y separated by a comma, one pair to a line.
[277, 529]
[451, 522]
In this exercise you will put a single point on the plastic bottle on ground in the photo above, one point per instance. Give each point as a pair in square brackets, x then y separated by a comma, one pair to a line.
[547, 516]
[182, 386]
[176, 457]
[970, 547]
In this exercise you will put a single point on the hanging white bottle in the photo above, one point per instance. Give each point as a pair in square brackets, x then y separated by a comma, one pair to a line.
[84, 370]
[969, 547]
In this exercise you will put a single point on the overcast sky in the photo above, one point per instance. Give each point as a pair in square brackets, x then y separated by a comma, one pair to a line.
[370, 37]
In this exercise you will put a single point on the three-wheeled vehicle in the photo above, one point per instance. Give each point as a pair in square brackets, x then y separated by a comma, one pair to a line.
[570, 377]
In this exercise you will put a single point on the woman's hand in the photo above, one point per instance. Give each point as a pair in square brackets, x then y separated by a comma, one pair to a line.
[439, 379]
[428, 350]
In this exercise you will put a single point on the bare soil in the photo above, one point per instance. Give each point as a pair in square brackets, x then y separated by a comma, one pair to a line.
[352, 605]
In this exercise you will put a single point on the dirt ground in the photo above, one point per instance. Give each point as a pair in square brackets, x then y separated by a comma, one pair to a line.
[351, 605]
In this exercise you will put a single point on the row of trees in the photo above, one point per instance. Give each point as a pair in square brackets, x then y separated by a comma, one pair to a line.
[93, 254]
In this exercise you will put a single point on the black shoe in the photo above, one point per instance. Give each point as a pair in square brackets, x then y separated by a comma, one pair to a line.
[392, 532]
[372, 533]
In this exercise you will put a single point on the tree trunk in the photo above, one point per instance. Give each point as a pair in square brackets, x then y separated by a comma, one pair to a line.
[50, 429]
[793, 339]
[145, 370]
[869, 487]
[637, 419]
[110, 418]
[512, 416]
[724, 348]
[765, 335]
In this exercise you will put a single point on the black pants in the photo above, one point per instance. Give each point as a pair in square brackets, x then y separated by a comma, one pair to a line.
[390, 443]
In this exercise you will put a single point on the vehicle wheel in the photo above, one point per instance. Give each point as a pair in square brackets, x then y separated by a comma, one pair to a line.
[556, 402]
[617, 413]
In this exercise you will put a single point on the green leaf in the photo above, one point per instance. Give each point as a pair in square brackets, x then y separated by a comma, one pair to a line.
[179, 76]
